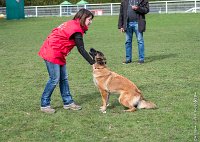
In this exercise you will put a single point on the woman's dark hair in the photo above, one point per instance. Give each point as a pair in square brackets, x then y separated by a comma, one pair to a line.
[82, 14]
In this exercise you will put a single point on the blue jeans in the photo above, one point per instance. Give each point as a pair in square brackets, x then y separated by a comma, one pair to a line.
[57, 74]
[132, 27]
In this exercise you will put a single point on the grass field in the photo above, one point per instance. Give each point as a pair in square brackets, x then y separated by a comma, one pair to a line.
[170, 77]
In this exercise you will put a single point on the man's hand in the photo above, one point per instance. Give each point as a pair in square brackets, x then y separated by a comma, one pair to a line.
[134, 7]
[122, 30]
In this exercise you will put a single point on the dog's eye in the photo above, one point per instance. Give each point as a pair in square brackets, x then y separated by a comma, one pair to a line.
[101, 54]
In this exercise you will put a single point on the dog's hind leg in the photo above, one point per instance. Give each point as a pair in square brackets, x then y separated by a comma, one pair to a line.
[127, 103]
[130, 110]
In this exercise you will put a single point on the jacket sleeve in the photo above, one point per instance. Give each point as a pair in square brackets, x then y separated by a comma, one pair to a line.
[121, 18]
[143, 7]
[78, 38]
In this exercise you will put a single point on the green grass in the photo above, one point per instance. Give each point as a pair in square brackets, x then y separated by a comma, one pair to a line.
[170, 78]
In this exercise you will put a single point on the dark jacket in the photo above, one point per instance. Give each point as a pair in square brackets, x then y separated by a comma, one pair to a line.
[141, 11]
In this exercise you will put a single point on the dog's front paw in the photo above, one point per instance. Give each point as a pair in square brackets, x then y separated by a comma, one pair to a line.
[103, 109]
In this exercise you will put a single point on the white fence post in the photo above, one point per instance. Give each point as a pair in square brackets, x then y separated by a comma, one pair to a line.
[60, 10]
[36, 12]
[195, 6]
[166, 8]
[111, 9]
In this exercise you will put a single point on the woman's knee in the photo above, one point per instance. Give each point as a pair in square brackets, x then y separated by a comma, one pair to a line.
[54, 80]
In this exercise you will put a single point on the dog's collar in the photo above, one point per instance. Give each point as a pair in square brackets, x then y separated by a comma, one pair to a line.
[99, 67]
[102, 75]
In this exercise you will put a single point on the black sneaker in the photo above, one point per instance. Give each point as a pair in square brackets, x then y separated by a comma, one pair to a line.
[141, 62]
[126, 62]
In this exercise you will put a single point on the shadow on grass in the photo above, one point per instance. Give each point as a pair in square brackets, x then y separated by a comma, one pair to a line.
[84, 99]
[113, 99]
[159, 57]
[89, 97]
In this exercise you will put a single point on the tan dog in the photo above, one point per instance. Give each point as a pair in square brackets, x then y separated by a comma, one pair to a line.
[111, 82]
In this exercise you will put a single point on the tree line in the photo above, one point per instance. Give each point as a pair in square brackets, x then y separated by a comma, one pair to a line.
[57, 2]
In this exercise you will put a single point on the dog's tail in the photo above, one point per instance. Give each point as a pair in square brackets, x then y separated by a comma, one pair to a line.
[146, 105]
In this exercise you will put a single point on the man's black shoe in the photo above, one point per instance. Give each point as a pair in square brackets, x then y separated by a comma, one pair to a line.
[126, 62]
[141, 62]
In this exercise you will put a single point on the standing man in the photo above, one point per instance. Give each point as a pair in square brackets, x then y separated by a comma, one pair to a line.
[132, 20]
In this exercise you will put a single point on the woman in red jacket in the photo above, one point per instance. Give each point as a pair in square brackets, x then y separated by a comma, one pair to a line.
[54, 50]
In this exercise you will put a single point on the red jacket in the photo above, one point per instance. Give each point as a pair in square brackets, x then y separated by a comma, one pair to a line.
[58, 45]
